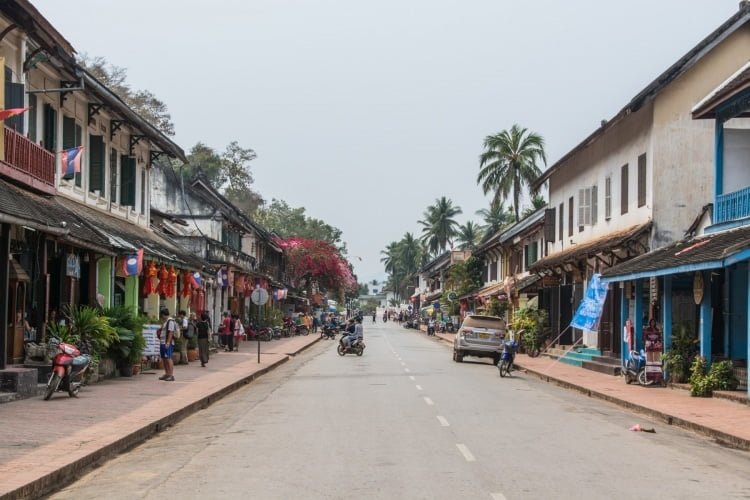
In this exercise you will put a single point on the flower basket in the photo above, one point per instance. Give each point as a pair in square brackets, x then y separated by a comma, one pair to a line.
[192, 354]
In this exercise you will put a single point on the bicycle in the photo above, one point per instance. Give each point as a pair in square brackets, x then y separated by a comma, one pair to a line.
[507, 357]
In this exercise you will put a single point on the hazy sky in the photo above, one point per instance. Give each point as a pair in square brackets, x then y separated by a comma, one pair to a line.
[365, 112]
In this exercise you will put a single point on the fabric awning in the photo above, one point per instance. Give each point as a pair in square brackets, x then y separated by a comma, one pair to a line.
[491, 290]
[711, 251]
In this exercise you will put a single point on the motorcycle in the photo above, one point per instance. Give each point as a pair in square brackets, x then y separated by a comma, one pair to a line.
[277, 332]
[68, 368]
[507, 357]
[357, 347]
[329, 332]
[449, 327]
[431, 328]
[634, 369]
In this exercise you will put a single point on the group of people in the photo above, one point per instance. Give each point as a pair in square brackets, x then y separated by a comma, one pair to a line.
[354, 332]
[186, 328]
[231, 332]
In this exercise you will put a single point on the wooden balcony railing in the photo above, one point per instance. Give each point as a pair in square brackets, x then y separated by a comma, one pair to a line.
[732, 206]
[28, 158]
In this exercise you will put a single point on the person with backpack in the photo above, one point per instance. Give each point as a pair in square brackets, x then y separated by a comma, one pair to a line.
[203, 329]
[166, 336]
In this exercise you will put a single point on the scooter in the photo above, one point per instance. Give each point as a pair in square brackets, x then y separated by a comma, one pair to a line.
[431, 328]
[634, 369]
[329, 332]
[357, 347]
[68, 369]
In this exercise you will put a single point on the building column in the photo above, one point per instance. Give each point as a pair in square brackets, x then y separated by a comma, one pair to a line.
[104, 279]
[666, 299]
[704, 327]
[624, 308]
[4, 275]
[638, 310]
[131, 293]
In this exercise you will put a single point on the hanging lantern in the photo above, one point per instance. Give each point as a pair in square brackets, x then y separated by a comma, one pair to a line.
[161, 288]
[186, 283]
[171, 286]
[149, 284]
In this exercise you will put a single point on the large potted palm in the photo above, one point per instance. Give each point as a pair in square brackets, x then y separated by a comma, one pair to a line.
[127, 351]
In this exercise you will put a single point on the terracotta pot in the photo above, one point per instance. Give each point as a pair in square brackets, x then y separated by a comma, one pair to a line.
[192, 354]
[136, 369]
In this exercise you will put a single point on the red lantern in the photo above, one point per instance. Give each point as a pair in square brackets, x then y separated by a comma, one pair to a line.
[186, 285]
[148, 283]
[161, 288]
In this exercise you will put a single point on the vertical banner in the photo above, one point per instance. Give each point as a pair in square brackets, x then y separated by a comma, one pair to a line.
[590, 309]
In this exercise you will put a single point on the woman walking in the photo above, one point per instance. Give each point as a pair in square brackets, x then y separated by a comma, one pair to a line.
[204, 332]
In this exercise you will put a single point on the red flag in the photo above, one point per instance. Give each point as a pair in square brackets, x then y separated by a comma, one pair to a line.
[8, 113]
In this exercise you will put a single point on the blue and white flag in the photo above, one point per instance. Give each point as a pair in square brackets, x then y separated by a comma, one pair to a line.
[590, 309]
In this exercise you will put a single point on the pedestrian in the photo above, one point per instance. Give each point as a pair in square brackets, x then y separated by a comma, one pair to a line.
[237, 330]
[374, 315]
[166, 343]
[182, 325]
[226, 332]
[203, 328]
[315, 322]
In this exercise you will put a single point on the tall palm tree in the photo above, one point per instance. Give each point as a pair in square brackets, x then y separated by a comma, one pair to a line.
[408, 254]
[439, 225]
[495, 218]
[468, 236]
[509, 162]
[390, 255]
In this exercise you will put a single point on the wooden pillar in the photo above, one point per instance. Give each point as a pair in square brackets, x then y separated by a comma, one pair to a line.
[666, 322]
[4, 299]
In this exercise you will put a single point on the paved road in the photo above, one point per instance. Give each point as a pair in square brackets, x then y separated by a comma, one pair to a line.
[404, 421]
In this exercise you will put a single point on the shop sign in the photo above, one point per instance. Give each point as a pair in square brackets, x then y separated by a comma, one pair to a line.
[73, 266]
[152, 341]
[698, 288]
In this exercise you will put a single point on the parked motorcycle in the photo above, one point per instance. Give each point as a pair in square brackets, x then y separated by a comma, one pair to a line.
[357, 347]
[68, 368]
[431, 328]
[634, 369]
[505, 364]
[277, 332]
[329, 332]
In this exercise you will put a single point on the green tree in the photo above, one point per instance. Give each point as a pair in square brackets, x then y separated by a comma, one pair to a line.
[290, 222]
[205, 159]
[537, 202]
[408, 254]
[468, 236]
[439, 224]
[495, 218]
[236, 164]
[143, 102]
[509, 162]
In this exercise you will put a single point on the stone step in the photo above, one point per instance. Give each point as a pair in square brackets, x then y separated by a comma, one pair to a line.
[607, 360]
[609, 369]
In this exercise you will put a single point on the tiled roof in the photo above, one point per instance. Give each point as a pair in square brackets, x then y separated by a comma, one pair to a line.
[592, 247]
[709, 250]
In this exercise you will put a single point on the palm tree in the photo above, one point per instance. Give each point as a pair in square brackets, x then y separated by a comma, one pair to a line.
[468, 236]
[537, 202]
[390, 255]
[439, 224]
[509, 162]
[408, 254]
[495, 218]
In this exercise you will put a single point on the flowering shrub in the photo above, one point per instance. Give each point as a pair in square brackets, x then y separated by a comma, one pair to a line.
[316, 261]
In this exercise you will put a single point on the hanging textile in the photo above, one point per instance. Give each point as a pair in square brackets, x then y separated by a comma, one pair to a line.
[149, 277]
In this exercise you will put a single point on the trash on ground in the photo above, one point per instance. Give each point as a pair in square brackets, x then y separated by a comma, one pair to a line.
[638, 428]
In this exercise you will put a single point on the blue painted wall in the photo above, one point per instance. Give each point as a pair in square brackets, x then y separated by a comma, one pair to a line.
[738, 278]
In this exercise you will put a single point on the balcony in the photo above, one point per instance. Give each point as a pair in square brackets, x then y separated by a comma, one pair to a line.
[28, 163]
[732, 206]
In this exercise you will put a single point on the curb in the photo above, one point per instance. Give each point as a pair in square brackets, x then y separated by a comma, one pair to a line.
[721, 437]
[65, 475]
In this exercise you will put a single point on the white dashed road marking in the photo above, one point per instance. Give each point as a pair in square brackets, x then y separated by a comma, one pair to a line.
[466, 453]
[443, 421]
[407, 370]
[428, 401]
[497, 496]
[419, 387]
[412, 377]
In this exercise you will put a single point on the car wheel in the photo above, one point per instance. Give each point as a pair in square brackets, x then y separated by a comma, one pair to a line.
[458, 357]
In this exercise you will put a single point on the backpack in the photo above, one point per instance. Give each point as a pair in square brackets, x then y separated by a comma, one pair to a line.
[190, 330]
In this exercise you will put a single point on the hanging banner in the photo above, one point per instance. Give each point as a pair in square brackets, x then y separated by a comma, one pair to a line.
[590, 310]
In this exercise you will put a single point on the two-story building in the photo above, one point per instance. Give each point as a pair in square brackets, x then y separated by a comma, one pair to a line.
[636, 183]
[74, 192]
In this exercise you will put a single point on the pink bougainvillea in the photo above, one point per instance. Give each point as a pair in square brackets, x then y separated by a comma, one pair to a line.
[316, 261]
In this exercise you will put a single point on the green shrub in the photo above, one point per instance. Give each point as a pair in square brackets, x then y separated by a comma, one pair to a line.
[719, 377]
[722, 376]
[681, 353]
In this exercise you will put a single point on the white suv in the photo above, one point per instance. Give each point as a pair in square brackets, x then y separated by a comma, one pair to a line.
[479, 336]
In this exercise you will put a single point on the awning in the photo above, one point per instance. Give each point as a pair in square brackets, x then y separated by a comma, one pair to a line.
[732, 86]
[523, 283]
[433, 296]
[607, 243]
[711, 251]
[17, 272]
[491, 290]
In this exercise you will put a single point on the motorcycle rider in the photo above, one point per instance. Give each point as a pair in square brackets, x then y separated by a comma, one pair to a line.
[351, 330]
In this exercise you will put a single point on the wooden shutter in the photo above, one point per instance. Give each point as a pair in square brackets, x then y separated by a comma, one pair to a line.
[14, 98]
[570, 216]
[549, 225]
[608, 198]
[581, 208]
[127, 181]
[562, 220]
[50, 128]
[624, 189]
[96, 163]
[32, 117]
[526, 256]
[642, 180]
[594, 204]
[113, 175]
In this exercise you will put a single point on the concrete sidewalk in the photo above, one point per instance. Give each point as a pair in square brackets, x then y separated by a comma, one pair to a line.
[47, 443]
[725, 421]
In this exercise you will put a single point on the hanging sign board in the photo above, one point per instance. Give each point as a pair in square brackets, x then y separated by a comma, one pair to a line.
[73, 266]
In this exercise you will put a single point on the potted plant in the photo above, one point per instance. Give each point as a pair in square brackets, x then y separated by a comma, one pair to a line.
[128, 349]
[192, 349]
[680, 355]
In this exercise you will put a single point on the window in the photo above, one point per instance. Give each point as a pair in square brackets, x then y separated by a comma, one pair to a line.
[49, 128]
[493, 271]
[562, 220]
[32, 118]
[549, 225]
[608, 198]
[72, 137]
[113, 175]
[14, 98]
[96, 163]
[570, 216]
[530, 254]
[143, 191]
[642, 180]
[127, 181]
[584, 208]
[624, 189]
